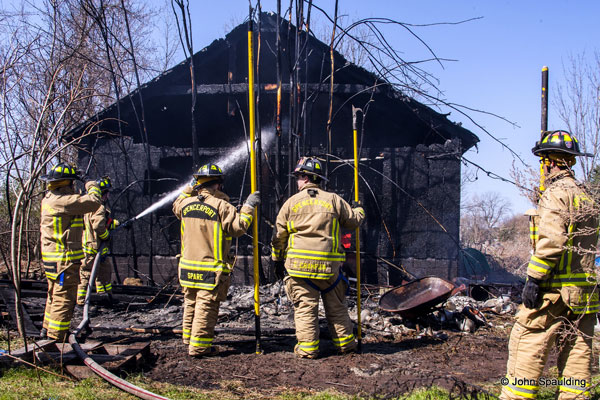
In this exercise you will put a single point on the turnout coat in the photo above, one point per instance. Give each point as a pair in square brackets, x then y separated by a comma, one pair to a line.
[208, 224]
[61, 226]
[567, 235]
[308, 232]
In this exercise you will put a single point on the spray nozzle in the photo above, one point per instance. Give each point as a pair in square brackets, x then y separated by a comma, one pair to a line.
[125, 224]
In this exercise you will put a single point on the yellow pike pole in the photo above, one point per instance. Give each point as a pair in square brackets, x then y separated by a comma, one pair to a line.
[544, 124]
[253, 185]
[355, 140]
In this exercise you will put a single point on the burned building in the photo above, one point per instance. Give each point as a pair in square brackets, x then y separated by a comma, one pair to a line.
[410, 154]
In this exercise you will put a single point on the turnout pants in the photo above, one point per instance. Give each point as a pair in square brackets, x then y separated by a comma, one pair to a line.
[61, 301]
[533, 335]
[103, 277]
[305, 299]
[189, 306]
[201, 307]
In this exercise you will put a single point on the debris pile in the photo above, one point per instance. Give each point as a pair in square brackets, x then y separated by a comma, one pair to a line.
[238, 310]
[140, 313]
[458, 312]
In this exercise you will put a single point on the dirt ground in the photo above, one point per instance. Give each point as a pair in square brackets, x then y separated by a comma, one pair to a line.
[389, 365]
[384, 368]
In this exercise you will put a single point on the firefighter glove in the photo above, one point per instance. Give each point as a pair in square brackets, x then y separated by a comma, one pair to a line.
[112, 224]
[253, 199]
[279, 268]
[92, 189]
[105, 237]
[530, 292]
[189, 189]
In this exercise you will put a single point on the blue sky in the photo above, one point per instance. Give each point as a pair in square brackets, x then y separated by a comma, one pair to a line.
[498, 68]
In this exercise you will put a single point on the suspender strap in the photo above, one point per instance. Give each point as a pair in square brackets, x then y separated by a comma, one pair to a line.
[330, 288]
[347, 283]
[311, 284]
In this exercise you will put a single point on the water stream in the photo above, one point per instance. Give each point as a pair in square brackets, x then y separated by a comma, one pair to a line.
[238, 155]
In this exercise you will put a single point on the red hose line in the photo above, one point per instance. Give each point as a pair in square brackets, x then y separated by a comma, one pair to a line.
[93, 365]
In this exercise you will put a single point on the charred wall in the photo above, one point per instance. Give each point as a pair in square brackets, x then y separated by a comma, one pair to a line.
[411, 178]
[411, 196]
[412, 200]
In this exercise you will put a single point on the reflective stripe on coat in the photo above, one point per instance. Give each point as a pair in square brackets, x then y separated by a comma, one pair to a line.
[567, 235]
[208, 223]
[308, 232]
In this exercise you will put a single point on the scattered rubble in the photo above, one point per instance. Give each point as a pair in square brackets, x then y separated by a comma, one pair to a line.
[458, 313]
[442, 347]
[430, 348]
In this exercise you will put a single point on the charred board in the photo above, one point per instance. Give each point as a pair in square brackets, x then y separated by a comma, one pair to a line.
[113, 357]
[8, 297]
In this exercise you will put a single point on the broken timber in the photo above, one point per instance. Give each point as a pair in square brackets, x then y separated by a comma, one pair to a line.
[8, 297]
[113, 357]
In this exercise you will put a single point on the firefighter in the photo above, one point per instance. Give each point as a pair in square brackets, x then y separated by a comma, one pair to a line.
[97, 228]
[61, 233]
[560, 297]
[208, 224]
[307, 245]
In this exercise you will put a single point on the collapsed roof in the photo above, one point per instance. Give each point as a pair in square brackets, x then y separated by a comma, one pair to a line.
[394, 120]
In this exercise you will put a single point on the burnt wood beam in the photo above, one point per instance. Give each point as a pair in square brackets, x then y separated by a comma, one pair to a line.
[268, 88]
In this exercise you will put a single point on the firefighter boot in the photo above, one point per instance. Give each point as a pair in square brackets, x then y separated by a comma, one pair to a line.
[304, 354]
[111, 300]
[212, 351]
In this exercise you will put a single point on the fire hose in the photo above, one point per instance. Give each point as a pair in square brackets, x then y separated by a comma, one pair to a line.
[93, 365]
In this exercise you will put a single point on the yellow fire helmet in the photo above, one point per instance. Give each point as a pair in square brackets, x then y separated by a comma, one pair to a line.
[310, 166]
[208, 173]
[558, 142]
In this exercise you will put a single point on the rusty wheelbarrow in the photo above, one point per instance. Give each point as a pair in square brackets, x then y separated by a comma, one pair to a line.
[417, 298]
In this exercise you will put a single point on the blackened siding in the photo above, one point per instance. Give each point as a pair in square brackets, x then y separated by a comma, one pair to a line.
[412, 201]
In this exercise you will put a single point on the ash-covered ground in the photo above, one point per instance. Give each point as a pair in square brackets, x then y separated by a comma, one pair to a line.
[397, 355]
[449, 347]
